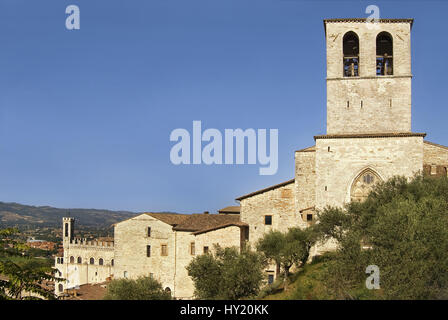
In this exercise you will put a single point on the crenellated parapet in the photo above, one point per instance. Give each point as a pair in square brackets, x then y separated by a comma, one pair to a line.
[84, 243]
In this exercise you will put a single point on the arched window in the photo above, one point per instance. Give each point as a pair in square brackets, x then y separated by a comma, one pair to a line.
[66, 229]
[350, 49]
[384, 54]
[79, 260]
[72, 259]
[168, 290]
[101, 262]
[363, 185]
[112, 262]
[92, 261]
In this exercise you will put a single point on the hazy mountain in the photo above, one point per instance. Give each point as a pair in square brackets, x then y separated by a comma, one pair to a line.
[12, 214]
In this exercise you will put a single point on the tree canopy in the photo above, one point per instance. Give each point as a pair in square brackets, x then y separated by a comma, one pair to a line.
[227, 273]
[21, 277]
[402, 228]
[143, 288]
[287, 249]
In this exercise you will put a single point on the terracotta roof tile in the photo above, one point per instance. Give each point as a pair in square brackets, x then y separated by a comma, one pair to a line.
[230, 209]
[266, 189]
[170, 218]
[204, 222]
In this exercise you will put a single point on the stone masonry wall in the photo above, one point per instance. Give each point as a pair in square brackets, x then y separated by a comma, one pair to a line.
[279, 203]
[131, 240]
[435, 154]
[305, 180]
[225, 237]
[337, 169]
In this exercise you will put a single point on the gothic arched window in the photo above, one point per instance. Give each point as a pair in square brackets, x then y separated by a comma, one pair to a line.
[350, 48]
[384, 54]
[101, 262]
[72, 259]
[79, 260]
[363, 185]
[92, 261]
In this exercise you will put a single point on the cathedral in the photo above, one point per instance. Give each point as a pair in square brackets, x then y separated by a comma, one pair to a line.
[369, 139]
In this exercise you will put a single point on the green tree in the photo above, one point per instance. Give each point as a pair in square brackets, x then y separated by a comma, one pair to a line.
[227, 273]
[143, 288]
[287, 249]
[402, 228]
[21, 275]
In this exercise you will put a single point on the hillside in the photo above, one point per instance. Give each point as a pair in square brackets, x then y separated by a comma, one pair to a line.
[310, 283]
[15, 214]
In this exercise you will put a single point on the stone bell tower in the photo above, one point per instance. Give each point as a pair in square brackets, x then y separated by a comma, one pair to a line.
[369, 137]
[368, 75]
[68, 225]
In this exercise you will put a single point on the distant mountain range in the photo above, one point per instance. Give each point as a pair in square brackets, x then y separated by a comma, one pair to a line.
[15, 214]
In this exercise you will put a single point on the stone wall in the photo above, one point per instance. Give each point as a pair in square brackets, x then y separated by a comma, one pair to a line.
[77, 274]
[434, 154]
[131, 241]
[225, 237]
[305, 180]
[278, 202]
[339, 166]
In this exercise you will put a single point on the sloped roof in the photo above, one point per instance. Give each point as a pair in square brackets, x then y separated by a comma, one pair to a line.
[435, 144]
[266, 189]
[309, 149]
[230, 209]
[173, 219]
[199, 223]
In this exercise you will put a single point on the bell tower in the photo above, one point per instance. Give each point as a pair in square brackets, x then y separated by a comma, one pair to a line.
[368, 76]
[68, 225]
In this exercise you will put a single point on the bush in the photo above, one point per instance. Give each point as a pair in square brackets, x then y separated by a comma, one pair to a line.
[227, 274]
[144, 288]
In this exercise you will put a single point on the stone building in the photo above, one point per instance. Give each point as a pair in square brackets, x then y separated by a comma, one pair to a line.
[158, 245]
[369, 139]
[369, 136]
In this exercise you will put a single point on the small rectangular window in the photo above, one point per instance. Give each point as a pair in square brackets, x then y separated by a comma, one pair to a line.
[164, 250]
[149, 231]
[148, 251]
[268, 220]
[270, 278]
[205, 249]
[192, 249]
[309, 217]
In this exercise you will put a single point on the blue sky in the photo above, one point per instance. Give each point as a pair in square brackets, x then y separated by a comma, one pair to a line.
[86, 115]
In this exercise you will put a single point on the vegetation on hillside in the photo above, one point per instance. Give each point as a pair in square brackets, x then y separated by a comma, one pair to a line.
[402, 228]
